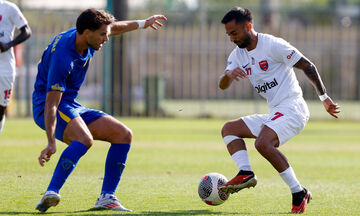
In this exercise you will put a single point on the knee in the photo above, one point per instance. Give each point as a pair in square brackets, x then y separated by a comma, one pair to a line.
[87, 140]
[261, 145]
[226, 129]
[121, 135]
[128, 136]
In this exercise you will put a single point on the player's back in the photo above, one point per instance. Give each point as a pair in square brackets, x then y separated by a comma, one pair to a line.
[61, 68]
[58, 44]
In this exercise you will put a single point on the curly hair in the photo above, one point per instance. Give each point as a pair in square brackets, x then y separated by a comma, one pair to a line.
[93, 19]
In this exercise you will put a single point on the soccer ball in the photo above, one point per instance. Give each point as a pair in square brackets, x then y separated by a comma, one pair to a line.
[209, 189]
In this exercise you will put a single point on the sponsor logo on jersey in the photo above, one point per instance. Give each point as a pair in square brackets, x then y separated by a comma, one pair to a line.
[266, 86]
[290, 55]
[245, 65]
[229, 62]
[264, 65]
[57, 87]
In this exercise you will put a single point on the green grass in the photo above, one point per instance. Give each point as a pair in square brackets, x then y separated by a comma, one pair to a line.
[167, 161]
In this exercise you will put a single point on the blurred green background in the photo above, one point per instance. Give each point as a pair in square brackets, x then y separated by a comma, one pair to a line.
[174, 72]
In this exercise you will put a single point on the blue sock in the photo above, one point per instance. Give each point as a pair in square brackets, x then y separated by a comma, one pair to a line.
[66, 164]
[114, 166]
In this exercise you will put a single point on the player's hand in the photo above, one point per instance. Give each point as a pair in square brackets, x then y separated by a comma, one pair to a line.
[4, 47]
[236, 74]
[151, 21]
[46, 154]
[332, 108]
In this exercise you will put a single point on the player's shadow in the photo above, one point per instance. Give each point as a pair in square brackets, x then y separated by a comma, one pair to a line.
[92, 212]
[185, 212]
[167, 213]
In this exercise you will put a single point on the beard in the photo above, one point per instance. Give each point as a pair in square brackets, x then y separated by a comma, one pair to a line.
[245, 42]
[93, 46]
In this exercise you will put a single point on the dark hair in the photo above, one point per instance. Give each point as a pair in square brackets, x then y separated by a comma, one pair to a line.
[93, 19]
[239, 14]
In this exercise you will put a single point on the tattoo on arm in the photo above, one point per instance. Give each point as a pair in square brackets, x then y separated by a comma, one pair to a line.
[312, 73]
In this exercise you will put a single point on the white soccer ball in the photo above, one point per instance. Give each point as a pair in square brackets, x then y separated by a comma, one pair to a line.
[209, 189]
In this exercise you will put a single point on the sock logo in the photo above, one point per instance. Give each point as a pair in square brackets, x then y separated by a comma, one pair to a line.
[67, 164]
[266, 86]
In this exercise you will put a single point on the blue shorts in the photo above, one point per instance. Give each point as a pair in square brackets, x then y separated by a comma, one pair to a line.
[65, 113]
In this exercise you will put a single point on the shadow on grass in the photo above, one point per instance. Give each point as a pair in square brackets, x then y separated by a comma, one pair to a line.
[92, 212]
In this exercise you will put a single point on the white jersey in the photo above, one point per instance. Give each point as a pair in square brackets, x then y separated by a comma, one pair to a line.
[269, 68]
[10, 17]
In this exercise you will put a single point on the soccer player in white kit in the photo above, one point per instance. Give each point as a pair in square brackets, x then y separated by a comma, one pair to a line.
[268, 62]
[10, 17]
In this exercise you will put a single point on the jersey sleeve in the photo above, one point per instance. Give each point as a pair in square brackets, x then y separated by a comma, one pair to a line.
[232, 61]
[17, 18]
[59, 70]
[284, 52]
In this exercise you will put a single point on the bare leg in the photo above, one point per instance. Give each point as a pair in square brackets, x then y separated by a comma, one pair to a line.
[109, 129]
[77, 130]
[237, 128]
[2, 117]
[266, 144]
[2, 112]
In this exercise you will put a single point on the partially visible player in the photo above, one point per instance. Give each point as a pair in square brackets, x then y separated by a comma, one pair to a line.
[10, 18]
[61, 72]
[267, 62]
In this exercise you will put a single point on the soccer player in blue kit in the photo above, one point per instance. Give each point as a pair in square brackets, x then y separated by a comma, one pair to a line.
[61, 72]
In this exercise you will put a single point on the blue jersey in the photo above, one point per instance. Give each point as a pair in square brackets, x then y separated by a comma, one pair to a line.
[61, 68]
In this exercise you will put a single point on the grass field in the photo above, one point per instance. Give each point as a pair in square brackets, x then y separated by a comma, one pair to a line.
[167, 161]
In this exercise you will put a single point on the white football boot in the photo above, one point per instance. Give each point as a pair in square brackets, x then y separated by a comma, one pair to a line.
[109, 202]
[50, 198]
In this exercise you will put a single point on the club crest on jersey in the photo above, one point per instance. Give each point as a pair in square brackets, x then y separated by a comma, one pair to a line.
[264, 65]
[0, 17]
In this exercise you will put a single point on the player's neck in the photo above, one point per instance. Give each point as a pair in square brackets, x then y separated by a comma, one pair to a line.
[254, 40]
[80, 44]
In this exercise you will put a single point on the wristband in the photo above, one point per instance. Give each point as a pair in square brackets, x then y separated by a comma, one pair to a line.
[323, 97]
[141, 23]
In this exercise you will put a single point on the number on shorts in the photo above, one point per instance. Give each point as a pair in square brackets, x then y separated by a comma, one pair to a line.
[7, 94]
[277, 115]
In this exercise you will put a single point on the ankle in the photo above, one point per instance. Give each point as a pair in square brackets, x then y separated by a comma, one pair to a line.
[245, 172]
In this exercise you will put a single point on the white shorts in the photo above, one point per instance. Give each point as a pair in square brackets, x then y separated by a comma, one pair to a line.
[287, 121]
[6, 85]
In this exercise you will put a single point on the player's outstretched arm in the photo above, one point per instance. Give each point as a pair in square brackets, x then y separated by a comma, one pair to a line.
[229, 76]
[25, 33]
[315, 79]
[121, 27]
[52, 102]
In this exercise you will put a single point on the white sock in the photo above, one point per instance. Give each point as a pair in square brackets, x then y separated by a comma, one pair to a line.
[2, 122]
[290, 179]
[241, 160]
